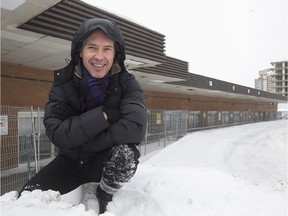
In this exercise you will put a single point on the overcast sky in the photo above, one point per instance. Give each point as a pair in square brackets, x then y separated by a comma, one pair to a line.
[230, 40]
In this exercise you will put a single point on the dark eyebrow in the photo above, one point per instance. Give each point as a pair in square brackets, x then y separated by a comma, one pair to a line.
[92, 44]
[112, 46]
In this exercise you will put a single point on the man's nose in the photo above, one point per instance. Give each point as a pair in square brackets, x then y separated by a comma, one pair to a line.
[98, 54]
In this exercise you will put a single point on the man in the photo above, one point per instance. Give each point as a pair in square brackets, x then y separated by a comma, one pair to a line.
[95, 116]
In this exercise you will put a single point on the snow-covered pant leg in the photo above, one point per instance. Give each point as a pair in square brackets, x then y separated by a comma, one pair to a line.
[120, 167]
[61, 175]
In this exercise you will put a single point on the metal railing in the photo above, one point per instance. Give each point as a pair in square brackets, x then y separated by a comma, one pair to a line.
[25, 148]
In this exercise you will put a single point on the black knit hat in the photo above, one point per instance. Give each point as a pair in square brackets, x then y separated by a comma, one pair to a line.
[109, 27]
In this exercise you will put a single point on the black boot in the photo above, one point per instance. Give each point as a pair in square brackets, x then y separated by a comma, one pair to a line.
[103, 199]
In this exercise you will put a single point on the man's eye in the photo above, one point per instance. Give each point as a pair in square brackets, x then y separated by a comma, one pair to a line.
[107, 49]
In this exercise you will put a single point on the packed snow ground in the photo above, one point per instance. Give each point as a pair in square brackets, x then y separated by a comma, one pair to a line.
[239, 171]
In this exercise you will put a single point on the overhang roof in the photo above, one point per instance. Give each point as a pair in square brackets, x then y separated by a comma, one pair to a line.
[38, 34]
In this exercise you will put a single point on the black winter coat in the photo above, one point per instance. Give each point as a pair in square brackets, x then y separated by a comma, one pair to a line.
[81, 134]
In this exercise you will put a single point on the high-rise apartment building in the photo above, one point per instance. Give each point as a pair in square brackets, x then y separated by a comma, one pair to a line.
[274, 79]
[265, 80]
[281, 77]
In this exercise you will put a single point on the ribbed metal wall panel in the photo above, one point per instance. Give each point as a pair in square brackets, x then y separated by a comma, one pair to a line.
[172, 68]
[62, 20]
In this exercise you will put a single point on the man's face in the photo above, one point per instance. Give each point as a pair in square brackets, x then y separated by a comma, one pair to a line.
[98, 53]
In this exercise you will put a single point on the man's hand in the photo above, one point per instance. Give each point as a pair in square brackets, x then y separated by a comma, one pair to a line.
[63, 111]
[112, 115]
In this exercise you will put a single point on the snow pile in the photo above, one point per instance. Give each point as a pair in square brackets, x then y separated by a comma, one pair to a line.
[255, 152]
[240, 170]
[40, 203]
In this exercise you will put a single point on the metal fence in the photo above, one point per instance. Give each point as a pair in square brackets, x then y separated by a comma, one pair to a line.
[25, 148]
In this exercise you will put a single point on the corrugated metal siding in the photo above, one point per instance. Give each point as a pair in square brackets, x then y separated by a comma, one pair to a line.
[172, 67]
[62, 20]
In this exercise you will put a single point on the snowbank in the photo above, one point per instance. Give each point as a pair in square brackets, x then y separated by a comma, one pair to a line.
[240, 170]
